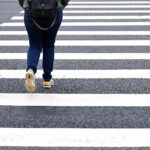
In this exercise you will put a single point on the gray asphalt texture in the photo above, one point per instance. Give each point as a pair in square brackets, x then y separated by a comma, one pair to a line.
[71, 148]
[77, 117]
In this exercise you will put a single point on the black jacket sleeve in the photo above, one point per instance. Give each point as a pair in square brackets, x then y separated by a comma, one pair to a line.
[65, 2]
[20, 3]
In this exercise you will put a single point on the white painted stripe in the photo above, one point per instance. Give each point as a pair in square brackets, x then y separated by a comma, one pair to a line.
[83, 33]
[111, 2]
[108, 6]
[103, 33]
[81, 74]
[17, 24]
[12, 24]
[75, 100]
[71, 137]
[82, 43]
[83, 56]
[13, 33]
[92, 17]
[103, 11]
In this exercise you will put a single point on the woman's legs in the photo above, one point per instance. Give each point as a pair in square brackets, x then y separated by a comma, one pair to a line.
[39, 39]
[49, 38]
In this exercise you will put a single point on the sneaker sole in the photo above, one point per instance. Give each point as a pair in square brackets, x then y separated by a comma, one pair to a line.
[29, 85]
[48, 86]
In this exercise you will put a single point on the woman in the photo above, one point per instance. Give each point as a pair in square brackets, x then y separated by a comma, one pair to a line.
[41, 40]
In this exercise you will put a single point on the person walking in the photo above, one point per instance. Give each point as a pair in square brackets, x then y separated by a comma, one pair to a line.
[42, 34]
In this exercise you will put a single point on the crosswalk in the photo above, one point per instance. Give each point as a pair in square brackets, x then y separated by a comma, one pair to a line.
[102, 70]
[74, 100]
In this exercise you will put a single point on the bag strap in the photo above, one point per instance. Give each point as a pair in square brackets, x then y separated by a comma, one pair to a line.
[44, 29]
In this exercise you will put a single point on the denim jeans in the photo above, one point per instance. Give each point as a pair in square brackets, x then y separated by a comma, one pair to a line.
[42, 40]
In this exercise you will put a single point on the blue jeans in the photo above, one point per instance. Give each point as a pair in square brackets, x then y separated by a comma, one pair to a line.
[42, 40]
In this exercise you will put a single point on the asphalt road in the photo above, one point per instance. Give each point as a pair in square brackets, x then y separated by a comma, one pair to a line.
[77, 117]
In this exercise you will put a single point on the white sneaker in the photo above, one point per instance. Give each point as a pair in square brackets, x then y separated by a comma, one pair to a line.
[48, 84]
[30, 81]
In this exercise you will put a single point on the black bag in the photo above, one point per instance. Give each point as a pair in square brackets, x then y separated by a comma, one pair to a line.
[43, 9]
